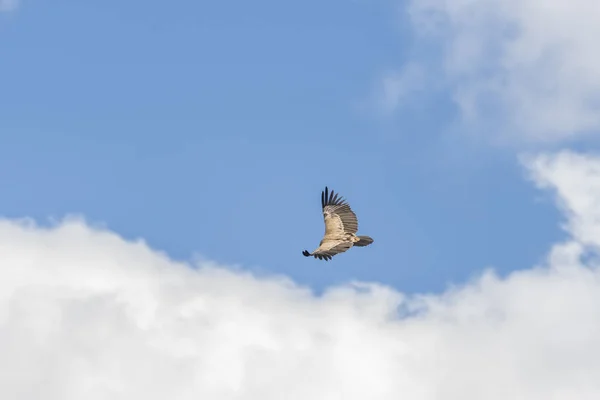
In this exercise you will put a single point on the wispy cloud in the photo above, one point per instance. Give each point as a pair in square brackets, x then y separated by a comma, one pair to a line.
[8, 5]
[397, 87]
[526, 68]
[86, 314]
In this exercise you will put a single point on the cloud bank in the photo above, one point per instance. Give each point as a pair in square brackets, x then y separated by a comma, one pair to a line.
[87, 314]
[522, 69]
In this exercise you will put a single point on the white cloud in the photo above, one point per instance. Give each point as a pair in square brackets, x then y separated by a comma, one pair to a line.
[8, 5]
[397, 87]
[85, 314]
[528, 69]
[576, 178]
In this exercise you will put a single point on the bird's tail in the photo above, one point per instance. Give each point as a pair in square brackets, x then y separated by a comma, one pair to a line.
[364, 241]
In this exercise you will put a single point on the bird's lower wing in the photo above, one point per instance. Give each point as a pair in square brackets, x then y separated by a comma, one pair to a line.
[327, 250]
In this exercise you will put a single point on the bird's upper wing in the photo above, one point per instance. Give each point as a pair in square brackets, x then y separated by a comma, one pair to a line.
[337, 214]
[330, 248]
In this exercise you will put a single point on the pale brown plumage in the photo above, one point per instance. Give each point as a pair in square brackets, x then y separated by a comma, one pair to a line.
[341, 226]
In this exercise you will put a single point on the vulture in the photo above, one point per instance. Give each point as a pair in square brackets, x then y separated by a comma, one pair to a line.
[341, 226]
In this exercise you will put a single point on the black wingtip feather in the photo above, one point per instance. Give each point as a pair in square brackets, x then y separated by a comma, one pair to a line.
[325, 257]
[331, 198]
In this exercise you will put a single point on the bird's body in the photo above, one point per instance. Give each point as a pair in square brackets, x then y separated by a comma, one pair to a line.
[341, 226]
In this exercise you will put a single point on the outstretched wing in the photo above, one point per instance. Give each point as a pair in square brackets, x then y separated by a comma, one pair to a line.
[337, 214]
[329, 249]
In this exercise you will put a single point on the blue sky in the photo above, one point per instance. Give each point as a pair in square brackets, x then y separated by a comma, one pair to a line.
[205, 128]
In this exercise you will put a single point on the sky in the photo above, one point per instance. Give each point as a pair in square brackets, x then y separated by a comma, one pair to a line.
[161, 169]
[201, 130]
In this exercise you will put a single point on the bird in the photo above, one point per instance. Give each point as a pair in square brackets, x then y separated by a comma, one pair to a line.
[341, 226]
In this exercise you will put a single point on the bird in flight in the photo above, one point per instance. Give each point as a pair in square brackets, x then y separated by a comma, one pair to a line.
[341, 226]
